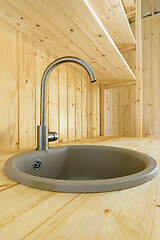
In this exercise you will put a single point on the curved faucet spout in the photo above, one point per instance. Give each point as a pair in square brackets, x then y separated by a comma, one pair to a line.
[46, 74]
[42, 131]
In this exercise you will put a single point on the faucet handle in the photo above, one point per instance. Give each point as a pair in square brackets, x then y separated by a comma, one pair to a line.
[52, 136]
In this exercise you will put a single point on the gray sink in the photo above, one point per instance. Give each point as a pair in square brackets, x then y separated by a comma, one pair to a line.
[81, 168]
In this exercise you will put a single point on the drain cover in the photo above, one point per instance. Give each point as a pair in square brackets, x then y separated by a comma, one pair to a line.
[37, 165]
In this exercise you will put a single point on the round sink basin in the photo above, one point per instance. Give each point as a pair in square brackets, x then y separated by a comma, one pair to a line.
[81, 168]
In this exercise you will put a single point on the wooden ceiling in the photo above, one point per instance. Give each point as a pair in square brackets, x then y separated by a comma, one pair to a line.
[83, 28]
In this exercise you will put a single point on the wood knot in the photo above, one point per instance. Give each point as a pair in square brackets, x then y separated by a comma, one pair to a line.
[106, 211]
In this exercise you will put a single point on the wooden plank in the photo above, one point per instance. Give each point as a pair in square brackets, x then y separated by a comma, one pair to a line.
[32, 199]
[118, 112]
[89, 110]
[98, 109]
[151, 6]
[71, 104]
[27, 113]
[147, 77]
[115, 114]
[107, 114]
[84, 107]
[128, 4]
[147, 8]
[53, 91]
[9, 88]
[113, 18]
[110, 113]
[128, 49]
[155, 75]
[119, 84]
[150, 76]
[78, 104]
[126, 108]
[131, 13]
[62, 99]
[41, 214]
[138, 71]
[94, 109]
[102, 110]
[133, 111]
[41, 62]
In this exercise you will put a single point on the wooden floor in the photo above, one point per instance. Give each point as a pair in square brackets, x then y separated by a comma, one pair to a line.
[27, 213]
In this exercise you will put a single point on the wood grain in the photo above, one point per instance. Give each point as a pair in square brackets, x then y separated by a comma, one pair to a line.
[53, 99]
[8, 88]
[124, 117]
[74, 30]
[78, 85]
[27, 96]
[23, 62]
[128, 214]
[112, 16]
[62, 99]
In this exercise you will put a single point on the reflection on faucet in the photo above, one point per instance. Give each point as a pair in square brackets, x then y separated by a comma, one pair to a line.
[43, 135]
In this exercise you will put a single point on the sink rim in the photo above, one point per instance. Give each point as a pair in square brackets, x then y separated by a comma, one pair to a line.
[98, 185]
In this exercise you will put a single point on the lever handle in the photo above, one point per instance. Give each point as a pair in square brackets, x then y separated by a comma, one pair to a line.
[52, 136]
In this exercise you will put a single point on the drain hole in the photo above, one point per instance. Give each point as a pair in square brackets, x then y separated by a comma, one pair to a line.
[37, 165]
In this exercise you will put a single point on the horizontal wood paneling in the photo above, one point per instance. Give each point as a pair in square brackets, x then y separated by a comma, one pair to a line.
[72, 104]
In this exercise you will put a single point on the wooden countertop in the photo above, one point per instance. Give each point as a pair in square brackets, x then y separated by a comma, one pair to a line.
[27, 213]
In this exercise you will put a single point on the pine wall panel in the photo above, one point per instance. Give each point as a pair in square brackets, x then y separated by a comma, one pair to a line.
[73, 104]
[120, 103]
[8, 87]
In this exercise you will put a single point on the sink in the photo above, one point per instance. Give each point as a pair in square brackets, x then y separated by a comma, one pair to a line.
[81, 168]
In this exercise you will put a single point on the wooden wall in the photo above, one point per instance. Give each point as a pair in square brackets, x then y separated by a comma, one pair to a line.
[120, 104]
[73, 103]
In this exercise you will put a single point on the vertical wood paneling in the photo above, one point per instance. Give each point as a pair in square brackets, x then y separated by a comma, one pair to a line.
[78, 104]
[8, 88]
[151, 76]
[41, 62]
[53, 90]
[89, 110]
[71, 103]
[118, 111]
[150, 88]
[155, 75]
[97, 109]
[62, 96]
[94, 110]
[27, 106]
[132, 115]
[147, 76]
[138, 69]
[121, 111]
[102, 110]
[84, 105]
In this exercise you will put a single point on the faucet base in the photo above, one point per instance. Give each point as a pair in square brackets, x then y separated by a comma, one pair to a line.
[42, 138]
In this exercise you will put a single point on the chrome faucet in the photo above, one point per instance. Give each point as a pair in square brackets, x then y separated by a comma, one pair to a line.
[43, 135]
